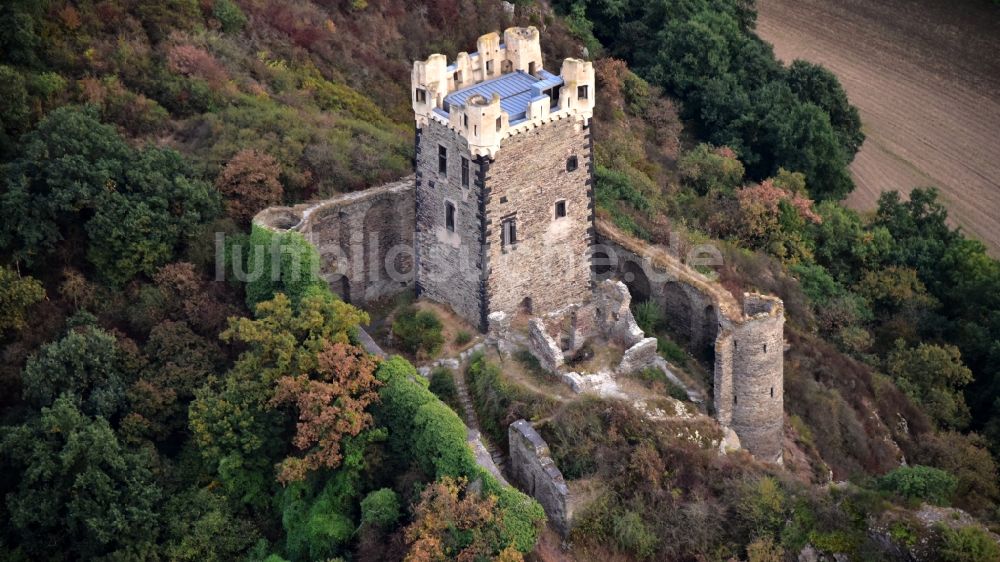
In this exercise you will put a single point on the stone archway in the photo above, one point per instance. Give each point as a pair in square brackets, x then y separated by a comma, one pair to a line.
[637, 282]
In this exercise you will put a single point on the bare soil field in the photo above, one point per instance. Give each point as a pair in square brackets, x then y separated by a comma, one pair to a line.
[925, 75]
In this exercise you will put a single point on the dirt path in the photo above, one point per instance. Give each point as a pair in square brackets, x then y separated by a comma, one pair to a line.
[926, 77]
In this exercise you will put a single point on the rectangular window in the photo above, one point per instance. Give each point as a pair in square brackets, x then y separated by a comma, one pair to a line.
[554, 97]
[531, 68]
[442, 160]
[421, 95]
[458, 77]
[560, 209]
[449, 216]
[465, 121]
[489, 67]
[582, 92]
[508, 233]
[465, 172]
[499, 123]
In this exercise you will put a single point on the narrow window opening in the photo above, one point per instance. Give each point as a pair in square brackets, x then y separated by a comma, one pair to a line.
[560, 209]
[531, 68]
[736, 345]
[582, 92]
[465, 172]
[449, 216]
[508, 233]
[554, 97]
[572, 163]
[765, 348]
[772, 392]
[489, 67]
[458, 77]
[465, 121]
[421, 95]
[734, 400]
[499, 123]
[442, 160]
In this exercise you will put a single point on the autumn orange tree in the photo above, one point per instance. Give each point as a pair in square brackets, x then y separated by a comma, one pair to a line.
[294, 355]
[249, 183]
[452, 521]
[332, 402]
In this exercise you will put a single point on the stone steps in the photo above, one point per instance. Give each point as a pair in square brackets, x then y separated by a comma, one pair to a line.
[487, 454]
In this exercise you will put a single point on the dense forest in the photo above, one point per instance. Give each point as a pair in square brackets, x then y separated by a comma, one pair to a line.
[153, 411]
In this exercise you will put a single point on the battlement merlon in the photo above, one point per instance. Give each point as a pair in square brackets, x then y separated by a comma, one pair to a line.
[500, 91]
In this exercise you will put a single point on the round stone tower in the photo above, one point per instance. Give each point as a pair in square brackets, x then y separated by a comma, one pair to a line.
[749, 393]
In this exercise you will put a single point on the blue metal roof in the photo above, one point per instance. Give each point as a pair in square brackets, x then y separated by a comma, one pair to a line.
[516, 90]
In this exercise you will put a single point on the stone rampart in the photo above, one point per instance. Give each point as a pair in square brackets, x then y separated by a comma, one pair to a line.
[365, 238]
[537, 475]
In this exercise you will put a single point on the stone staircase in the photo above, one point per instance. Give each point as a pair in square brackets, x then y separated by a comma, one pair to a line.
[488, 455]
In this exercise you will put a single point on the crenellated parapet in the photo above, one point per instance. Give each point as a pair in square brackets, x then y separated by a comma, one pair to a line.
[500, 90]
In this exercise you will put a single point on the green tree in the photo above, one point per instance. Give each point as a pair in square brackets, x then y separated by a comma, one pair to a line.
[78, 492]
[814, 84]
[933, 375]
[87, 366]
[138, 207]
[380, 508]
[706, 169]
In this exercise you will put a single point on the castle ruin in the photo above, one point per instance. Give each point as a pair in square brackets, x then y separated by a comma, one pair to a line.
[498, 221]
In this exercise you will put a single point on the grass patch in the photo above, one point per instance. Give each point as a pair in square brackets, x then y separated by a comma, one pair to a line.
[657, 381]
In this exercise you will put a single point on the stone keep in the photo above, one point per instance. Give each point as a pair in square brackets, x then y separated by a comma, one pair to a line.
[504, 194]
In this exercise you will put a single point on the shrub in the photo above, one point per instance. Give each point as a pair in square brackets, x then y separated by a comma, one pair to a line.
[920, 483]
[633, 535]
[249, 183]
[380, 508]
[443, 386]
[968, 544]
[418, 331]
[462, 337]
[648, 316]
[500, 402]
[672, 352]
[230, 16]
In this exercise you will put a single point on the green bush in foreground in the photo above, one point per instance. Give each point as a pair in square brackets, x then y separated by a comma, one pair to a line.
[923, 483]
[418, 331]
[442, 384]
[380, 508]
[968, 544]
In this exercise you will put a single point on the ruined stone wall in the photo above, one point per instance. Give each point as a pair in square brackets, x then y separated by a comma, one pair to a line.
[449, 263]
[746, 341]
[535, 473]
[364, 238]
[549, 265]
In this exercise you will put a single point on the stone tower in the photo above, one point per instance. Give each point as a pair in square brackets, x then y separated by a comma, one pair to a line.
[504, 194]
[749, 377]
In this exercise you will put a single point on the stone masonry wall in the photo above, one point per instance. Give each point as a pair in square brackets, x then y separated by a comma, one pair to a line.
[449, 264]
[365, 238]
[534, 471]
[746, 340]
[550, 263]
